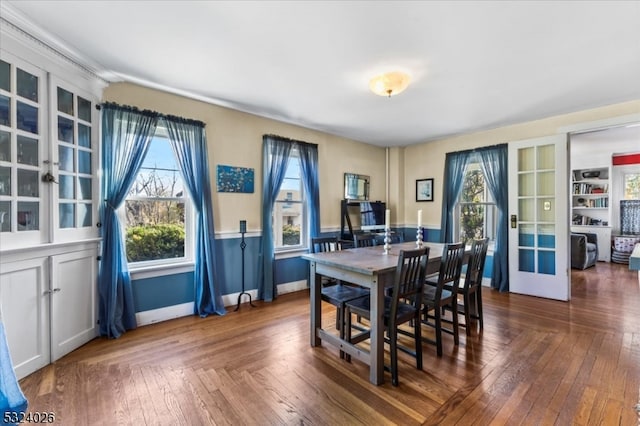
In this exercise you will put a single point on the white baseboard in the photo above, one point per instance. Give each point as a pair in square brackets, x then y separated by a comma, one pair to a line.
[185, 309]
[162, 314]
[292, 286]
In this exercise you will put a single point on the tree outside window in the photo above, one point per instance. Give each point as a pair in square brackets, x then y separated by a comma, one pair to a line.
[476, 211]
[157, 210]
[288, 210]
[632, 186]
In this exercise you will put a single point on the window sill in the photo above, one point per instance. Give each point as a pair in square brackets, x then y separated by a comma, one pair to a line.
[286, 254]
[161, 270]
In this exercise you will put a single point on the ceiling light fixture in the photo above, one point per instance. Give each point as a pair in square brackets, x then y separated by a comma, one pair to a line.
[389, 84]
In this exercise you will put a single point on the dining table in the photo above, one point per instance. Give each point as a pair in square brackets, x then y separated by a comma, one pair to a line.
[369, 267]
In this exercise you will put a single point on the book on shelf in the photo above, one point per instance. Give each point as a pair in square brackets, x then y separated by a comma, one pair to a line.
[578, 219]
[589, 188]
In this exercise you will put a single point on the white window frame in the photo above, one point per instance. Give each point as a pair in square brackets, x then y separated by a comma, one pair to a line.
[303, 208]
[490, 209]
[625, 180]
[189, 224]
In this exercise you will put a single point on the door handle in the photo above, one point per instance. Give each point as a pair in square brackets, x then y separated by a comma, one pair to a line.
[514, 221]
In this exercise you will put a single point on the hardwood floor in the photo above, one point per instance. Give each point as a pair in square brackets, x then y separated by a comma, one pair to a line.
[538, 362]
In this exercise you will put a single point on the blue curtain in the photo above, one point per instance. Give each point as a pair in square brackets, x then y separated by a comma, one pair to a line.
[454, 172]
[309, 166]
[494, 165]
[189, 144]
[275, 155]
[126, 133]
[630, 217]
[11, 397]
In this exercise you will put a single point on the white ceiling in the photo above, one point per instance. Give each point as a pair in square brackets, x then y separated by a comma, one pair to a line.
[474, 64]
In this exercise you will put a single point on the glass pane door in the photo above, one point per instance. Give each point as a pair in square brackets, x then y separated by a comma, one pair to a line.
[539, 225]
[22, 154]
[75, 131]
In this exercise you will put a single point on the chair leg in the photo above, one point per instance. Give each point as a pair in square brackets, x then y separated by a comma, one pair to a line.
[393, 347]
[467, 313]
[417, 332]
[479, 307]
[454, 309]
[438, 319]
[338, 318]
[340, 321]
[346, 331]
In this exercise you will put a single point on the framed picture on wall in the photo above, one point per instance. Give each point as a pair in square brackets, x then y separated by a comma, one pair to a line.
[424, 189]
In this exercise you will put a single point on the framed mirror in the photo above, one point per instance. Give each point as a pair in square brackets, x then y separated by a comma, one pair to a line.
[356, 187]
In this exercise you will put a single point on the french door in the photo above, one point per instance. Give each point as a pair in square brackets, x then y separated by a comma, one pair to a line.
[539, 217]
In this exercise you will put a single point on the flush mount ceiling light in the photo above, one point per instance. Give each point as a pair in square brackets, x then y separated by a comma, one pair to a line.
[389, 84]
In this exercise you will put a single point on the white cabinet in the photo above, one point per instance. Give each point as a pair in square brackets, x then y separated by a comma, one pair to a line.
[74, 300]
[24, 297]
[49, 195]
[49, 305]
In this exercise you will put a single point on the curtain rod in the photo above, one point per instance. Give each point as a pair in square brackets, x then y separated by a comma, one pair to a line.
[284, 139]
[481, 148]
[152, 113]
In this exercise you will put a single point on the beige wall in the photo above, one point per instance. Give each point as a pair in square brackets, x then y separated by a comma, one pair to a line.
[235, 138]
[427, 160]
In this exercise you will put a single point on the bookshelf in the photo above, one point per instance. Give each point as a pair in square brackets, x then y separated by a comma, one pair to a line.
[590, 206]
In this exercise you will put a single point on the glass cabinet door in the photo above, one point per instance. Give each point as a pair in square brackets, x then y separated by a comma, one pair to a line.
[48, 157]
[74, 122]
[23, 152]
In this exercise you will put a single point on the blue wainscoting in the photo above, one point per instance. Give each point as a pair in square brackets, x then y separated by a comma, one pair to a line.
[160, 292]
[175, 289]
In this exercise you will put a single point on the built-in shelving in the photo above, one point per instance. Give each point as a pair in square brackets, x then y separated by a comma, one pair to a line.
[590, 197]
[590, 206]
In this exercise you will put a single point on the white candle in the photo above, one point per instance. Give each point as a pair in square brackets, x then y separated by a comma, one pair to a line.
[387, 214]
[419, 218]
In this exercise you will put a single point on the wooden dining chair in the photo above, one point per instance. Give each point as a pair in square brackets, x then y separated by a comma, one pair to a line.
[443, 293]
[364, 240]
[336, 292]
[403, 306]
[470, 287]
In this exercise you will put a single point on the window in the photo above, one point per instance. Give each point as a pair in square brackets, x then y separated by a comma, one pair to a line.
[476, 212]
[157, 211]
[289, 209]
[631, 186]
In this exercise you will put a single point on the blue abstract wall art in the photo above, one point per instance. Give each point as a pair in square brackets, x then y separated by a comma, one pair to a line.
[235, 179]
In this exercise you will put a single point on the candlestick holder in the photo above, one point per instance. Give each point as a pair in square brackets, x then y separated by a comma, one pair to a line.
[387, 240]
[243, 245]
[419, 237]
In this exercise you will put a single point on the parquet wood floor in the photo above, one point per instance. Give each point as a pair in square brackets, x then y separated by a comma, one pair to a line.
[537, 362]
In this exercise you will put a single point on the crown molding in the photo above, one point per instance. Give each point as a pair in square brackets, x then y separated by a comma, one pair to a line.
[21, 28]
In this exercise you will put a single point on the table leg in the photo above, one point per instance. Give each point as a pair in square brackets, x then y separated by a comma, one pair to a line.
[316, 318]
[376, 368]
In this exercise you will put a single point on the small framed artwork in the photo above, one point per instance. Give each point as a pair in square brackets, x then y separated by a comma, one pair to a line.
[424, 189]
[235, 179]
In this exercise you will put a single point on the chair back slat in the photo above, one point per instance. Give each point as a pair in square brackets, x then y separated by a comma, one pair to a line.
[475, 265]
[409, 278]
[364, 240]
[323, 244]
[450, 268]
